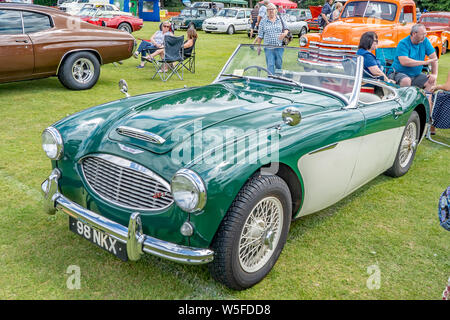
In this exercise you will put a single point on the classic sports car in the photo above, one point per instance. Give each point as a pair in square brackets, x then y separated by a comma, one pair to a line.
[216, 174]
[111, 20]
[191, 18]
[39, 42]
[228, 20]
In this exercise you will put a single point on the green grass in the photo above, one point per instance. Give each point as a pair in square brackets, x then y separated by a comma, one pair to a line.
[390, 223]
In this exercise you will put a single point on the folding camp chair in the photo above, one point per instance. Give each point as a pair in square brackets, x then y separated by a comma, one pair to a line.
[440, 116]
[172, 60]
[189, 60]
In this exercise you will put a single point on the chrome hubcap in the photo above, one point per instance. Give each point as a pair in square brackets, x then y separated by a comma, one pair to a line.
[409, 144]
[83, 70]
[260, 235]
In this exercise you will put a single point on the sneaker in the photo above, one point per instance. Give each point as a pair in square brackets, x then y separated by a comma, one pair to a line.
[139, 67]
[136, 55]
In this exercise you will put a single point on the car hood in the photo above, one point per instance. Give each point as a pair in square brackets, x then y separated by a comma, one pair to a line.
[219, 19]
[349, 30]
[239, 105]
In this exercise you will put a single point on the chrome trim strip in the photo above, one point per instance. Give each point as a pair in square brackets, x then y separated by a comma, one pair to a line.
[147, 136]
[334, 45]
[328, 147]
[136, 242]
[353, 102]
[132, 166]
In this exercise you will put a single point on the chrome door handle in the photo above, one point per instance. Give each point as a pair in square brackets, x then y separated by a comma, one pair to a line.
[24, 41]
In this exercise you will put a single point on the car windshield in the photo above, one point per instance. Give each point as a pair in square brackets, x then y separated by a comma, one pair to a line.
[370, 9]
[300, 67]
[228, 13]
[87, 12]
[188, 12]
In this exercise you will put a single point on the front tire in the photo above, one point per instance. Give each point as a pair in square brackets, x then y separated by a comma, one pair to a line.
[303, 31]
[253, 232]
[230, 29]
[79, 71]
[407, 148]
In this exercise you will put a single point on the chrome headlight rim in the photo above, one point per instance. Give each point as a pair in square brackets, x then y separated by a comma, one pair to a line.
[57, 138]
[303, 41]
[197, 182]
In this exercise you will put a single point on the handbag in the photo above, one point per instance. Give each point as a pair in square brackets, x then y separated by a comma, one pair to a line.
[289, 36]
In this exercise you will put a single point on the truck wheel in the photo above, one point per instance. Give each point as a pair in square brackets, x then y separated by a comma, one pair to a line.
[252, 233]
[79, 71]
[445, 47]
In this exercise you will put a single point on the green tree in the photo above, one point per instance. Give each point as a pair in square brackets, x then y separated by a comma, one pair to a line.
[433, 5]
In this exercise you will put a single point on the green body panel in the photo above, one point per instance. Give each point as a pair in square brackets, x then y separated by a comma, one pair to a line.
[185, 115]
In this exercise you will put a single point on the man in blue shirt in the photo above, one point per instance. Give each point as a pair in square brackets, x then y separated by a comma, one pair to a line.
[409, 60]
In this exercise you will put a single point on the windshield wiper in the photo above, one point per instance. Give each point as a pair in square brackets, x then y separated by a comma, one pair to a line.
[298, 84]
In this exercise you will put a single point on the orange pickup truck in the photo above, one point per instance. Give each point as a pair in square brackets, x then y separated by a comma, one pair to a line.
[390, 19]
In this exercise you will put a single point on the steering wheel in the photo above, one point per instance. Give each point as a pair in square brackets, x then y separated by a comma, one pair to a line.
[258, 68]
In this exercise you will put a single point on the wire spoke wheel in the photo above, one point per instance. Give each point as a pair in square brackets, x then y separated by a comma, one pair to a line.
[408, 145]
[260, 234]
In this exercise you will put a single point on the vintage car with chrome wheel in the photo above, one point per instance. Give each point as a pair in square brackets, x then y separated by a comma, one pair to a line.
[215, 174]
[38, 42]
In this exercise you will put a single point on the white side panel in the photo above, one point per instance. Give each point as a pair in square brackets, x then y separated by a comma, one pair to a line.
[326, 174]
[377, 154]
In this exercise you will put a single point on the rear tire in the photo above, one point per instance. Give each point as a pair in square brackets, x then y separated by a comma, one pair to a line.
[253, 232]
[303, 31]
[79, 71]
[125, 27]
[407, 148]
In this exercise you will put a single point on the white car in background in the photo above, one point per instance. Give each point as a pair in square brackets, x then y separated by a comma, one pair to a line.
[297, 28]
[228, 20]
[73, 7]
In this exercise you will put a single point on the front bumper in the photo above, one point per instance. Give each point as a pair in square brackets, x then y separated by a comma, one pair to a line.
[137, 243]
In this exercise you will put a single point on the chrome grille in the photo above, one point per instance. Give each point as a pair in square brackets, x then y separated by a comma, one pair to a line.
[126, 183]
[331, 52]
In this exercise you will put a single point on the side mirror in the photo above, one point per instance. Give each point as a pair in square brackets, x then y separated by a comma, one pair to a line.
[291, 116]
[123, 87]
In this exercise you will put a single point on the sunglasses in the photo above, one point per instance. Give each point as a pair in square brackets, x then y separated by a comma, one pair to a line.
[166, 26]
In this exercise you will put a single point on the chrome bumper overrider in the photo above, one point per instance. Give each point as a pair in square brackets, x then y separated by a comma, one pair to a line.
[137, 243]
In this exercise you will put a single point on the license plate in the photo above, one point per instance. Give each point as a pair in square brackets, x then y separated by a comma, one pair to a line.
[100, 238]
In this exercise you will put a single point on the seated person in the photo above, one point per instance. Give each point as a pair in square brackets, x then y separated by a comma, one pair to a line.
[188, 46]
[156, 42]
[409, 60]
[372, 66]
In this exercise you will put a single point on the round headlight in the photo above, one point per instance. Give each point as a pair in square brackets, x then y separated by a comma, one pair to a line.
[52, 143]
[303, 41]
[188, 190]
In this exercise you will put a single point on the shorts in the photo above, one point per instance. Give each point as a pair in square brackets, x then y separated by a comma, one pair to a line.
[417, 81]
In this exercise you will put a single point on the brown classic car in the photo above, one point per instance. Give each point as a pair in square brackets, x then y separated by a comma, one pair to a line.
[38, 42]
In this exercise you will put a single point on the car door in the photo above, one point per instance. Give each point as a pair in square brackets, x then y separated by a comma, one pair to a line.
[16, 49]
[380, 141]
[241, 22]
[40, 29]
[406, 21]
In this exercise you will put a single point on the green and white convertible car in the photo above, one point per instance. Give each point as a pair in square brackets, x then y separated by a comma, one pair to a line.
[215, 174]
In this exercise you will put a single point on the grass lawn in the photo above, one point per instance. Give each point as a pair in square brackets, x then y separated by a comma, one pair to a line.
[388, 228]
